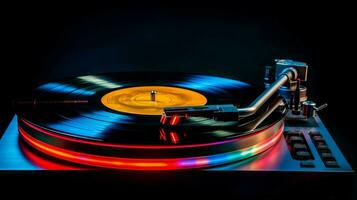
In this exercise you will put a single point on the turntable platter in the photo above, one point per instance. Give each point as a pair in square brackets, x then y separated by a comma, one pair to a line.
[113, 120]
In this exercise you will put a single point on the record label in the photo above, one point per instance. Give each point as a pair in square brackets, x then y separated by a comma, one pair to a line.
[151, 100]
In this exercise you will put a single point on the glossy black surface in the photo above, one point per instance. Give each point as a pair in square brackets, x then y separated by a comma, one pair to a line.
[92, 120]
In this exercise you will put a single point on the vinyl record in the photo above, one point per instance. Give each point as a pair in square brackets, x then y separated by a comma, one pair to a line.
[113, 120]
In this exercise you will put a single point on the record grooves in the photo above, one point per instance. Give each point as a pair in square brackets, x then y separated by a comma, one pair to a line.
[113, 121]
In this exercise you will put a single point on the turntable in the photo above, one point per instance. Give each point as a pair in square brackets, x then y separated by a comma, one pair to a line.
[172, 121]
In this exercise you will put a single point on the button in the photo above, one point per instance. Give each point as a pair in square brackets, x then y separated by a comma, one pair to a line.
[307, 164]
[314, 133]
[299, 147]
[318, 139]
[327, 156]
[302, 155]
[320, 143]
[331, 163]
[322, 148]
[296, 139]
[293, 133]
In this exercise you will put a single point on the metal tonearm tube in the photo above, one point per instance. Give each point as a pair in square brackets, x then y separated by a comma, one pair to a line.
[287, 72]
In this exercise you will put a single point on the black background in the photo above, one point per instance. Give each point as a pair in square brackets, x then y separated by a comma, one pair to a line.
[45, 42]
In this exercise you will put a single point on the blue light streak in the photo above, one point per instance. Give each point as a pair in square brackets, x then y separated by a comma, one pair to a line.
[65, 88]
[91, 124]
[211, 84]
[99, 81]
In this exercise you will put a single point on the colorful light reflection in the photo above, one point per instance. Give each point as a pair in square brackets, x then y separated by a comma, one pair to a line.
[99, 81]
[150, 163]
[211, 84]
[89, 124]
[65, 88]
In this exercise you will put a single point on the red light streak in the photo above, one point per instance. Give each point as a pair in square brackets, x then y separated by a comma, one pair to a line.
[163, 135]
[93, 160]
[137, 164]
[99, 143]
[174, 137]
[174, 120]
[163, 119]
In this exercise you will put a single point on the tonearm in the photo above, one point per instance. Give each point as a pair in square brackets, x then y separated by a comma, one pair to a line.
[285, 78]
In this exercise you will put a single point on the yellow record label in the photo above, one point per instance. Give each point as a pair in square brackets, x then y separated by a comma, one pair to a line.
[151, 100]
